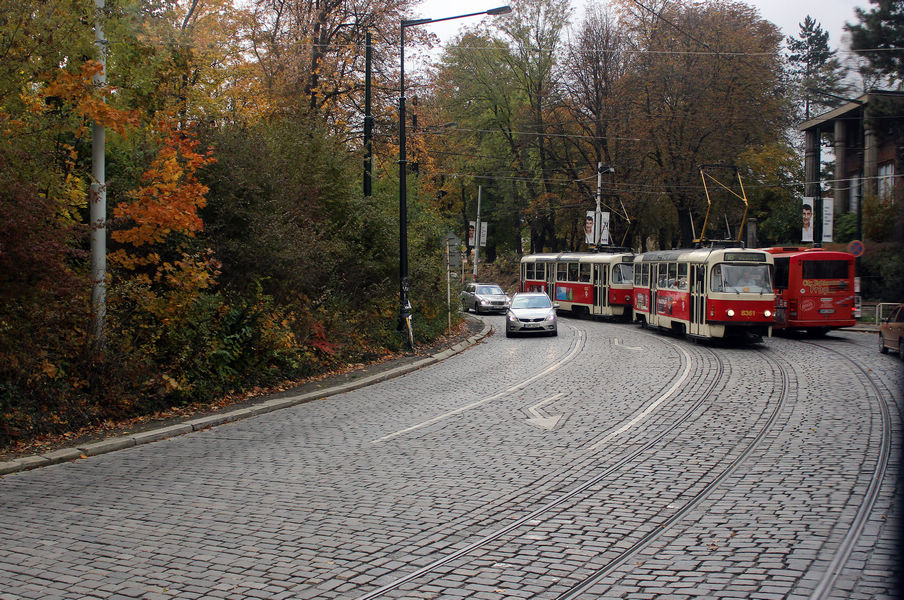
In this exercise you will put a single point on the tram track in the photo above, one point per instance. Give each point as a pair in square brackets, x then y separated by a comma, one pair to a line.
[859, 522]
[584, 490]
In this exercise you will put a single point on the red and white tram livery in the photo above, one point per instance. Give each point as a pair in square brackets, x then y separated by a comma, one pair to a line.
[707, 292]
[598, 283]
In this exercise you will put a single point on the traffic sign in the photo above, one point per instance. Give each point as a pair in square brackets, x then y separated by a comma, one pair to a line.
[856, 248]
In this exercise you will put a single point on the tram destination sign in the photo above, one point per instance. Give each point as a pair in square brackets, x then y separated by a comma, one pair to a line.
[745, 257]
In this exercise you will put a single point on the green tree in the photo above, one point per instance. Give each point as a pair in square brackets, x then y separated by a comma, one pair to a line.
[816, 72]
[879, 37]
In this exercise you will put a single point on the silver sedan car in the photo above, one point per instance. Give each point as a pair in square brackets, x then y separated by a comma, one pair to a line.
[484, 297]
[531, 312]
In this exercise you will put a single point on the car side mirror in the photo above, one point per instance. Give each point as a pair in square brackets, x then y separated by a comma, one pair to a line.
[555, 305]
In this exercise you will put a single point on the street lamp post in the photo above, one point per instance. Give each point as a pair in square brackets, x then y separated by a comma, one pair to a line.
[404, 285]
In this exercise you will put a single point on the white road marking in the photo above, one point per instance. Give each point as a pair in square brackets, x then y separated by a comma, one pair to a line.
[578, 346]
[652, 406]
[541, 420]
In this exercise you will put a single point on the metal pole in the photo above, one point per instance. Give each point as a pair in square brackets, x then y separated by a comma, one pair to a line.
[448, 284]
[404, 304]
[477, 232]
[368, 118]
[599, 195]
[98, 197]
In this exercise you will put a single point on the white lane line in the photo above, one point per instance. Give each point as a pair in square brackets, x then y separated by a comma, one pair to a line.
[645, 412]
[578, 346]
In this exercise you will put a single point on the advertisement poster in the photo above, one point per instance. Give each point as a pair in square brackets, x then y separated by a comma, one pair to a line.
[596, 231]
[483, 233]
[828, 217]
[806, 233]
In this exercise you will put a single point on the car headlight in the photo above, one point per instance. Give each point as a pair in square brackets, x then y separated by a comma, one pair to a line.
[730, 312]
[551, 316]
[512, 317]
[767, 313]
[483, 301]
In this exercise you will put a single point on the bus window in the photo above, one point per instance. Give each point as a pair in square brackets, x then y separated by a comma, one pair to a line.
[782, 266]
[824, 269]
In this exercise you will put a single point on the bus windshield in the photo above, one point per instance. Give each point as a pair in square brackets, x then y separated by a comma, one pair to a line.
[741, 278]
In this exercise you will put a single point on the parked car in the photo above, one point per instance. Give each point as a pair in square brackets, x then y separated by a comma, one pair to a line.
[484, 297]
[531, 312]
[891, 332]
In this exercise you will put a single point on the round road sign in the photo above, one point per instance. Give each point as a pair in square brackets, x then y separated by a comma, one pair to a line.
[855, 248]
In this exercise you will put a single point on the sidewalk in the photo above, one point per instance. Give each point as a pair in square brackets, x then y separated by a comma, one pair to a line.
[475, 331]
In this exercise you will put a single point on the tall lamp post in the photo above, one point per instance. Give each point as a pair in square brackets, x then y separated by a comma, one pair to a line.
[404, 304]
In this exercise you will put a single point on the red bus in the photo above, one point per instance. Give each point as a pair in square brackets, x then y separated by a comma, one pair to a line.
[583, 283]
[814, 289]
[709, 292]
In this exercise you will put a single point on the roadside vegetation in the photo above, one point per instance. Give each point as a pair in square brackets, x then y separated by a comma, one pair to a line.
[241, 250]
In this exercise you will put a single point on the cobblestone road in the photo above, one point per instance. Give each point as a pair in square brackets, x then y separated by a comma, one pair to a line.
[607, 462]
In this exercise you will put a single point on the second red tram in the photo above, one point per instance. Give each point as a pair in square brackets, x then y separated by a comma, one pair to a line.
[597, 283]
[709, 292]
[814, 289]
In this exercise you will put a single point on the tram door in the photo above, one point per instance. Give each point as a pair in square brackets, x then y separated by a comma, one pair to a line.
[600, 288]
[698, 299]
[551, 280]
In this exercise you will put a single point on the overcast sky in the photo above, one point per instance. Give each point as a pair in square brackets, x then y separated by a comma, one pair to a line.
[787, 14]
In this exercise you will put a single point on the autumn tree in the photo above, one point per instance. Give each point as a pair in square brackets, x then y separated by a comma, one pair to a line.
[705, 88]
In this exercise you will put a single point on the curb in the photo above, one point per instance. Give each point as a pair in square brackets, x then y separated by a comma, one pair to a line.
[145, 437]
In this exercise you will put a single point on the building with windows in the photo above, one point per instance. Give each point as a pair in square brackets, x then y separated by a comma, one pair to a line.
[867, 134]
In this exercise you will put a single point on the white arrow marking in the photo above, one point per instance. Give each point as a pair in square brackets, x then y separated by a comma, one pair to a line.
[541, 420]
[618, 342]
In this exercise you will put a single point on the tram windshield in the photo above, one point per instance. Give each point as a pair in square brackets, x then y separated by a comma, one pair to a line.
[741, 278]
[623, 273]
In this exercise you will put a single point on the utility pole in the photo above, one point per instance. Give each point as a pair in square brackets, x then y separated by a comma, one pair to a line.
[477, 232]
[98, 196]
[599, 195]
[368, 119]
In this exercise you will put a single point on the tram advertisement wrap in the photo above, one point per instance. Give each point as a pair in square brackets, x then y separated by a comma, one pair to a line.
[671, 304]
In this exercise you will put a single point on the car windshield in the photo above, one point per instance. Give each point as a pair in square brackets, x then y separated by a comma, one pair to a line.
[531, 302]
[490, 290]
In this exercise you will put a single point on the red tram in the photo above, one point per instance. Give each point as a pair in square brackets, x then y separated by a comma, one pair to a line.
[814, 289]
[597, 283]
[707, 292]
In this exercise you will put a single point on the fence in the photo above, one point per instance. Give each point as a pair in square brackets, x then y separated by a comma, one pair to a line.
[875, 312]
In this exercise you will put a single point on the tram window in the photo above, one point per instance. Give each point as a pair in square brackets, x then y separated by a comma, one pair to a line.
[699, 274]
[646, 274]
[637, 276]
[585, 272]
[572, 271]
[682, 276]
[673, 275]
[529, 271]
[540, 271]
[561, 272]
[621, 273]
[824, 269]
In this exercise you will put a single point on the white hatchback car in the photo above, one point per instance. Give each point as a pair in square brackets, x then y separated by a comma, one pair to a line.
[531, 312]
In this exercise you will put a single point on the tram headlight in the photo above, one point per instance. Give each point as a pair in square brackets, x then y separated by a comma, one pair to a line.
[767, 313]
[730, 312]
